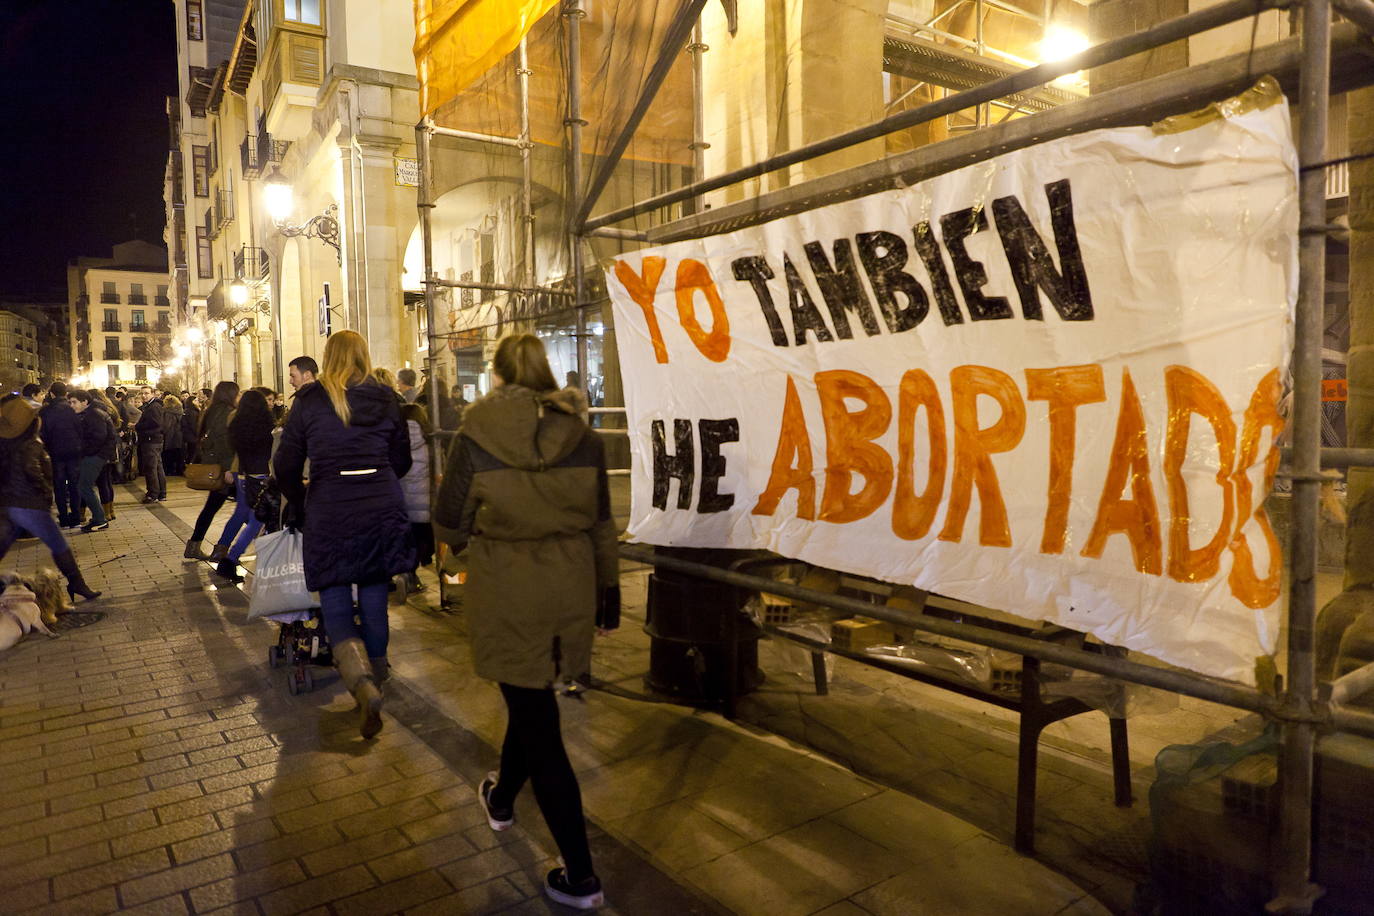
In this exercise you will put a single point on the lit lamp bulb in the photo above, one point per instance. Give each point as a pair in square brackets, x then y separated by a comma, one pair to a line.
[1060, 42]
[195, 335]
[238, 292]
[277, 196]
[183, 351]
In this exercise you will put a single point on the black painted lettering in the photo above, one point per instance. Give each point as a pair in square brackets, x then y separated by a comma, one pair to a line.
[955, 227]
[929, 250]
[680, 464]
[841, 288]
[805, 315]
[755, 271]
[713, 434]
[887, 278]
[1031, 265]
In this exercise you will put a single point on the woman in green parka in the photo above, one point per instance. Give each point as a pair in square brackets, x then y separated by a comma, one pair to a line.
[525, 493]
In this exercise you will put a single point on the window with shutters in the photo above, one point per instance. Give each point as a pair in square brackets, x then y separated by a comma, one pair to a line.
[200, 168]
[205, 266]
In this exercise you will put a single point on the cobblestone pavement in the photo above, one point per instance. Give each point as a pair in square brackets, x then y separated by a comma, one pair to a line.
[152, 762]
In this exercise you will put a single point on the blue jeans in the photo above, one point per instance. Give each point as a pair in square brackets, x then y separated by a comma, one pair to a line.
[39, 523]
[91, 466]
[336, 606]
[244, 518]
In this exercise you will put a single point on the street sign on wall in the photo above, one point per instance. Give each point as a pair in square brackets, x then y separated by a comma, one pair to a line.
[407, 172]
[1046, 383]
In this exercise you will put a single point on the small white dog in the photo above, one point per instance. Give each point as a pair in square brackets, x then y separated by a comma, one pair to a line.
[19, 615]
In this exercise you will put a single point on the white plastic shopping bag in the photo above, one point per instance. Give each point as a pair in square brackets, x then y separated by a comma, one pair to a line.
[279, 582]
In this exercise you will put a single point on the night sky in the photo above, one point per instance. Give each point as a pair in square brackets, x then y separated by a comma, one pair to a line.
[83, 133]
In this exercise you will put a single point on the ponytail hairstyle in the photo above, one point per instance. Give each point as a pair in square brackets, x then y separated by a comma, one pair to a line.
[346, 362]
[520, 360]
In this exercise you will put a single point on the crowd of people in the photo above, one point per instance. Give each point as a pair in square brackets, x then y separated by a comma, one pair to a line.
[346, 461]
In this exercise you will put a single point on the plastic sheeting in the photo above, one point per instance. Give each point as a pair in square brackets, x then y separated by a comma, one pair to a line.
[1046, 383]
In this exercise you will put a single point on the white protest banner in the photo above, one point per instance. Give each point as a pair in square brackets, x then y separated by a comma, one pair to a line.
[1046, 383]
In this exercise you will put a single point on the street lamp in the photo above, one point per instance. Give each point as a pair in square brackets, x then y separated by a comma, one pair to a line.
[238, 292]
[280, 200]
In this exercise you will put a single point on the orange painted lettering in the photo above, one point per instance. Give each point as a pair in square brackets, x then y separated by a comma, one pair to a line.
[849, 445]
[1189, 392]
[1065, 388]
[791, 462]
[1246, 585]
[912, 515]
[973, 446]
[692, 275]
[642, 290]
[1137, 518]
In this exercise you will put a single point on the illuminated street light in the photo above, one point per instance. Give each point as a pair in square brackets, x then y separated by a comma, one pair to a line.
[238, 292]
[195, 335]
[280, 201]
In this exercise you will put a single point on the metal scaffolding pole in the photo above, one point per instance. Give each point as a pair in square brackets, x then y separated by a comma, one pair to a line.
[574, 13]
[526, 166]
[1107, 52]
[1294, 891]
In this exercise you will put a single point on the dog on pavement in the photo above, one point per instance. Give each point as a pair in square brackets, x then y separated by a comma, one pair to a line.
[19, 613]
[47, 586]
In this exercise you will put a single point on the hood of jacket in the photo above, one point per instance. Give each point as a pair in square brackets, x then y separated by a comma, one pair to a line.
[369, 403]
[524, 429]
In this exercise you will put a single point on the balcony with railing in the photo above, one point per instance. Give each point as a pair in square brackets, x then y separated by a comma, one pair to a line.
[110, 298]
[258, 152]
[139, 327]
[111, 325]
[224, 207]
[162, 302]
[114, 355]
[251, 263]
[163, 326]
[138, 299]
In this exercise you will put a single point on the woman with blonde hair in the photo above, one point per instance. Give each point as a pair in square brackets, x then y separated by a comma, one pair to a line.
[357, 533]
[525, 494]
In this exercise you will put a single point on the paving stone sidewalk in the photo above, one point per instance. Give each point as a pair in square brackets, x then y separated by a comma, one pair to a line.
[152, 762]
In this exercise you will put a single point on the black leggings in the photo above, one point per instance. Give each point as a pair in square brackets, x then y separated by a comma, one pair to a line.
[213, 501]
[533, 750]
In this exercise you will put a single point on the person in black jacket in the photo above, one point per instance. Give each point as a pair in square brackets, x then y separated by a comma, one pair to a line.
[250, 436]
[61, 433]
[26, 490]
[151, 430]
[356, 529]
[98, 442]
[190, 429]
[173, 446]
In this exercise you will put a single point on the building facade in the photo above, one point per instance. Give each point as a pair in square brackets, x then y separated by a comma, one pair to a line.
[18, 351]
[122, 313]
[320, 97]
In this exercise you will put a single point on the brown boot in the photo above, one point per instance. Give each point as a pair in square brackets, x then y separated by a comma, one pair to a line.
[109, 511]
[381, 669]
[219, 552]
[356, 671]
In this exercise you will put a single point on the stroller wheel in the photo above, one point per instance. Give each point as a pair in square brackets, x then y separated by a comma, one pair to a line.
[274, 656]
[292, 687]
[307, 681]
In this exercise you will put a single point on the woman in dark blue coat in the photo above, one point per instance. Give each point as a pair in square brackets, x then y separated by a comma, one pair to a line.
[356, 530]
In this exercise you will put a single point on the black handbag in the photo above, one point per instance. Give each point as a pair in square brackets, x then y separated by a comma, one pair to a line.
[264, 498]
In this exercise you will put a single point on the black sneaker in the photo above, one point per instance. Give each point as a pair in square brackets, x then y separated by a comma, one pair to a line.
[150, 498]
[92, 526]
[584, 895]
[497, 818]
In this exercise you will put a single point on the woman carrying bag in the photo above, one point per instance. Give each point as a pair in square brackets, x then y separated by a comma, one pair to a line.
[356, 531]
[250, 437]
[525, 493]
[214, 450]
[26, 491]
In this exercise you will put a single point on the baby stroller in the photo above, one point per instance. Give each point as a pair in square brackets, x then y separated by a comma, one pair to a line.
[301, 644]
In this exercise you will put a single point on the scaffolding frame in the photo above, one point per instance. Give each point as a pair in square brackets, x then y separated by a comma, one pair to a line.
[1304, 706]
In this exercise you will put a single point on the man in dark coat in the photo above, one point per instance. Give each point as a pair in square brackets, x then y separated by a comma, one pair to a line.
[190, 429]
[151, 430]
[61, 433]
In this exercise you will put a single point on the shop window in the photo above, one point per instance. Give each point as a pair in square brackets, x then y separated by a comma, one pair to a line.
[195, 20]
